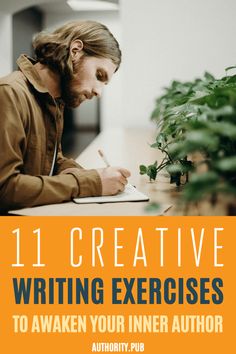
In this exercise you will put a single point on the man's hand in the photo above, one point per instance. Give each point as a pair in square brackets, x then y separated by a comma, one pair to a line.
[113, 179]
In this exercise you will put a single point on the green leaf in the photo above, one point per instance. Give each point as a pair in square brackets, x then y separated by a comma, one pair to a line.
[174, 168]
[204, 178]
[155, 164]
[181, 167]
[142, 169]
[201, 139]
[177, 150]
[227, 164]
[208, 76]
[152, 171]
[152, 208]
[223, 129]
[230, 68]
[200, 185]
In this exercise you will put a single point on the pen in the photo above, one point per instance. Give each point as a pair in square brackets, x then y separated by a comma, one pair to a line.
[167, 209]
[102, 155]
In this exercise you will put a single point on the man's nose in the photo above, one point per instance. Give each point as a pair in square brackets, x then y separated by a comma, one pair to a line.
[97, 90]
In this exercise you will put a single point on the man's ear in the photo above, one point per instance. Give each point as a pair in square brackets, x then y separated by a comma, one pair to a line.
[76, 49]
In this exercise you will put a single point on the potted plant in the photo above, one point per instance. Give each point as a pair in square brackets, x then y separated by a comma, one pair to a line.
[198, 119]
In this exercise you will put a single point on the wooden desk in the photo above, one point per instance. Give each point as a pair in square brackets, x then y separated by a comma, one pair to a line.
[128, 148]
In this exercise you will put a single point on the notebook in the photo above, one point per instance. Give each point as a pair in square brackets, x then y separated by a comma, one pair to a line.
[130, 194]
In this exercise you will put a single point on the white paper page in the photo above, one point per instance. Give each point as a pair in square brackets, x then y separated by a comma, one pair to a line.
[130, 194]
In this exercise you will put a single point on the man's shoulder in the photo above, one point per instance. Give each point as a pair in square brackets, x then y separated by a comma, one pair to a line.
[14, 80]
[14, 85]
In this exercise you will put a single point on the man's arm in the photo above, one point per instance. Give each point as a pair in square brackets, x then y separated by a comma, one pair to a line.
[19, 190]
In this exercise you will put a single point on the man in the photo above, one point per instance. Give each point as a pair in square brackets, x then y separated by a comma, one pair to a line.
[72, 65]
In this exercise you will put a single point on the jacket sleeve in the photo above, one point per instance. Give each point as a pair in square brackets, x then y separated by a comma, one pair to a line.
[18, 190]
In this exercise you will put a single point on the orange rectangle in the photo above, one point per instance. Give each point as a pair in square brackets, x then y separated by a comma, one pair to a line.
[117, 284]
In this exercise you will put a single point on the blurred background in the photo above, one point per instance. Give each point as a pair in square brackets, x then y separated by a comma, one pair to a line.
[161, 40]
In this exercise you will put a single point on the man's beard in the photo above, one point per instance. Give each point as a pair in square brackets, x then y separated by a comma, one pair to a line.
[71, 98]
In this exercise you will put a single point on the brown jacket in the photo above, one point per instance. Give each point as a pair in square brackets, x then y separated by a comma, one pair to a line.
[31, 123]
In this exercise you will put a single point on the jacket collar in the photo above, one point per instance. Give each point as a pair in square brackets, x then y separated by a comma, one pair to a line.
[26, 65]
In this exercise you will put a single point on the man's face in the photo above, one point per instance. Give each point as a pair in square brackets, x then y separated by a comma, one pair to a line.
[90, 76]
